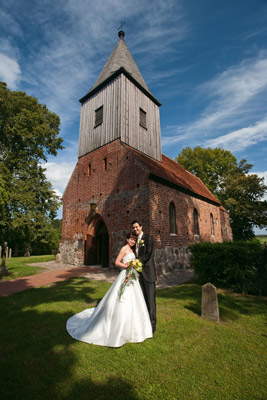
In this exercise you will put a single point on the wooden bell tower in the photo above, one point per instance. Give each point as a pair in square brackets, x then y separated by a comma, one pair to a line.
[120, 106]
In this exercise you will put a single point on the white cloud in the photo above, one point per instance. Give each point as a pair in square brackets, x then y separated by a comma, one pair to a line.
[59, 174]
[9, 71]
[240, 139]
[262, 175]
[231, 91]
[236, 99]
[58, 193]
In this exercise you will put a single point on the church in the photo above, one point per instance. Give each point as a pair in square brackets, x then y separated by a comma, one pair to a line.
[121, 175]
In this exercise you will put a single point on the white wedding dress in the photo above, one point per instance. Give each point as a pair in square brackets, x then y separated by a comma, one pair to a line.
[114, 321]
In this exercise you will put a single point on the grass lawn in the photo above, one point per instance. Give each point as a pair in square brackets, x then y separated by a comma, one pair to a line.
[188, 358]
[262, 238]
[18, 266]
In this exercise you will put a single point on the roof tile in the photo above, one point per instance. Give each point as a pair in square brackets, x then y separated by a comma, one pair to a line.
[170, 171]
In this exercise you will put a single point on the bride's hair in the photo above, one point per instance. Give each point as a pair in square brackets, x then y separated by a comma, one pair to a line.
[131, 235]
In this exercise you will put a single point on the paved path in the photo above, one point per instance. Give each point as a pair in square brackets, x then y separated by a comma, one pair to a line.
[60, 272]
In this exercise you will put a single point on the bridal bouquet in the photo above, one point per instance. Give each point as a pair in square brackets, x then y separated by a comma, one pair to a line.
[134, 265]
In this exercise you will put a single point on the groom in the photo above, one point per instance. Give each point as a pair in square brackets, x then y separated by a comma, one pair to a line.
[143, 251]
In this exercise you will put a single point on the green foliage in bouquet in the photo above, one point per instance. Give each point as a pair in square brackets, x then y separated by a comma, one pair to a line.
[131, 274]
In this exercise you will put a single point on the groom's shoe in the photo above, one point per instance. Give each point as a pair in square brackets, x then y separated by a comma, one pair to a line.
[153, 329]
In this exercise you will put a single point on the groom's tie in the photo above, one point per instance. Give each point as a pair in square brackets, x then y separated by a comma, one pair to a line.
[137, 248]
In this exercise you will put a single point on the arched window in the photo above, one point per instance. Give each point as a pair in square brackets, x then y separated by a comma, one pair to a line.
[172, 218]
[195, 218]
[211, 225]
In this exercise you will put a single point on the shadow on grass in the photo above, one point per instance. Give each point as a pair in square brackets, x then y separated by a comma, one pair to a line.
[114, 389]
[231, 305]
[39, 360]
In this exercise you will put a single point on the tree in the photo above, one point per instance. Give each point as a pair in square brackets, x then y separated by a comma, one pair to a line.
[239, 191]
[242, 197]
[49, 242]
[28, 134]
[210, 165]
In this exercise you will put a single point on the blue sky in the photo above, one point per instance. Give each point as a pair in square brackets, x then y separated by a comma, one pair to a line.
[205, 60]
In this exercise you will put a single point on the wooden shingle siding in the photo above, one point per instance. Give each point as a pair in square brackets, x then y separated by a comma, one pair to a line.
[121, 100]
[132, 133]
[92, 137]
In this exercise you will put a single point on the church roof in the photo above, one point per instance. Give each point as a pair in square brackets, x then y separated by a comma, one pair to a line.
[120, 61]
[172, 174]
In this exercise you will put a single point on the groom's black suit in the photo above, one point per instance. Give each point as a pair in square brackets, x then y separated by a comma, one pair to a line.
[147, 277]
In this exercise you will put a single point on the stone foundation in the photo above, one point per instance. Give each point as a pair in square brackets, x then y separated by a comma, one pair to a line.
[167, 259]
[70, 252]
[171, 258]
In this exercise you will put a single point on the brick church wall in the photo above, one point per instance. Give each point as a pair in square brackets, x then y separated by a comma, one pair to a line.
[120, 187]
[161, 196]
[172, 249]
[120, 192]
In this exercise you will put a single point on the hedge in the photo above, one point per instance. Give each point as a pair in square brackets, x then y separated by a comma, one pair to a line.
[241, 266]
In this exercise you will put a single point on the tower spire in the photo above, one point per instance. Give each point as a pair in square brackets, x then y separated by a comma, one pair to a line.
[120, 61]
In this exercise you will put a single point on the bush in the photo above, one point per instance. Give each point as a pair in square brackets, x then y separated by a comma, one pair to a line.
[241, 266]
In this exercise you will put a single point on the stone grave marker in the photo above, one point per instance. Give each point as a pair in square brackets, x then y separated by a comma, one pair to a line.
[209, 307]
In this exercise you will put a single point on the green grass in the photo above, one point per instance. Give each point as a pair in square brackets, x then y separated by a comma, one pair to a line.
[262, 238]
[18, 266]
[188, 358]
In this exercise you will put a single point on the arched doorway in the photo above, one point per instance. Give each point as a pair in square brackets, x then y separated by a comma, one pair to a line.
[97, 245]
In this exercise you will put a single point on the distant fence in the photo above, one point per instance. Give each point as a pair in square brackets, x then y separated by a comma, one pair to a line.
[8, 252]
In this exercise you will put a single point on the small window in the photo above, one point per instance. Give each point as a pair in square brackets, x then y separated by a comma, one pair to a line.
[143, 118]
[172, 213]
[211, 225]
[105, 164]
[89, 170]
[195, 218]
[99, 116]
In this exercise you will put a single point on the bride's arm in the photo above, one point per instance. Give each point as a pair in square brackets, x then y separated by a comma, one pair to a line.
[120, 256]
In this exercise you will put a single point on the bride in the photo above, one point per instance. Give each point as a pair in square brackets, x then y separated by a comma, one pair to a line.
[116, 320]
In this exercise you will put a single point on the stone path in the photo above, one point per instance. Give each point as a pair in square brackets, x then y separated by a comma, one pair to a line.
[57, 272]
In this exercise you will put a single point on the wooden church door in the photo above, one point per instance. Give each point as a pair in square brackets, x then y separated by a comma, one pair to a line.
[102, 245]
[90, 250]
[97, 248]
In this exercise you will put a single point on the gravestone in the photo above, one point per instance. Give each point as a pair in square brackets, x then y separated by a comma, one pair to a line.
[3, 268]
[209, 307]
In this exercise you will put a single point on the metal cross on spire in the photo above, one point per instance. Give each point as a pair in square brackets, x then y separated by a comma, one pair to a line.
[121, 25]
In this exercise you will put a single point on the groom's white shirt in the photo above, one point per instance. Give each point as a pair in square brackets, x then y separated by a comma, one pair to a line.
[137, 246]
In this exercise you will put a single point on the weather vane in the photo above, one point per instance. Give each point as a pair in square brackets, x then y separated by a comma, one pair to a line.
[121, 25]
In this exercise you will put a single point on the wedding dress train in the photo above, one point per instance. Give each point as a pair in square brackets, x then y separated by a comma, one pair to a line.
[114, 321]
